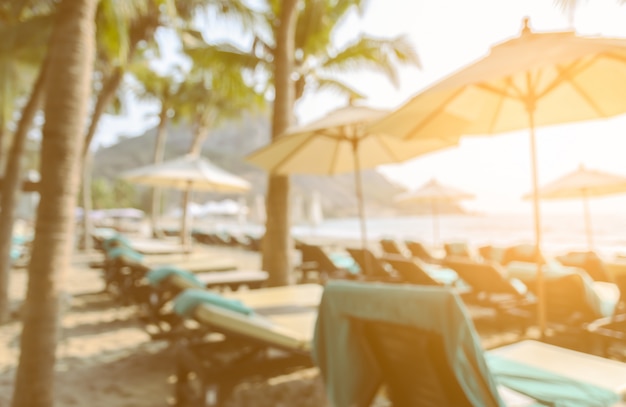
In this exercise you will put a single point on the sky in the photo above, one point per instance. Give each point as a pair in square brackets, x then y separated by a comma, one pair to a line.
[449, 34]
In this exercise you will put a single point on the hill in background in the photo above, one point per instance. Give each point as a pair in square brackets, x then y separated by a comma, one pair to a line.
[227, 146]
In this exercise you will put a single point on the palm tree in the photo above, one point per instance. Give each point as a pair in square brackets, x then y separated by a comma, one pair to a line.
[315, 62]
[24, 29]
[140, 22]
[277, 244]
[32, 29]
[69, 73]
[164, 89]
[122, 26]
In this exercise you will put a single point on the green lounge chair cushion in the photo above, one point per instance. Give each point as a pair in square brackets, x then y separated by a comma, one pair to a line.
[188, 300]
[344, 261]
[546, 387]
[156, 275]
[116, 241]
[602, 307]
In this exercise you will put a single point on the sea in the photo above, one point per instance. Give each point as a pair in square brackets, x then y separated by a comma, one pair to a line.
[560, 232]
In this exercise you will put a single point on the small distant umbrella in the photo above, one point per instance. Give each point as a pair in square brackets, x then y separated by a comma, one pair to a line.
[188, 173]
[435, 194]
[583, 183]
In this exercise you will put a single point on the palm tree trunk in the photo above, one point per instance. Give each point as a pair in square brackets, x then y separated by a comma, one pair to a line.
[68, 87]
[104, 98]
[87, 201]
[277, 243]
[199, 137]
[11, 189]
[159, 153]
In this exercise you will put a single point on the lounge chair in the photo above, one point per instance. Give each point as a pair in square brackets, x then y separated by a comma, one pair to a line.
[372, 336]
[390, 246]
[457, 249]
[168, 281]
[316, 261]
[419, 251]
[573, 299]
[125, 270]
[491, 288]
[260, 334]
[588, 261]
[572, 303]
[372, 268]
[410, 272]
[525, 253]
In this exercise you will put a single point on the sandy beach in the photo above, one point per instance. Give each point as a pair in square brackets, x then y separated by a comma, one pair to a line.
[105, 358]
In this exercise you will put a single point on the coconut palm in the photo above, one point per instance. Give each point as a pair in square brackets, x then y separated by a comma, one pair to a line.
[69, 73]
[137, 20]
[315, 64]
[26, 28]
[163, 88]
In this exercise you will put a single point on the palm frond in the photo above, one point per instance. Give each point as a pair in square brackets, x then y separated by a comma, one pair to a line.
[223, 53]
[341, 88]
[380, 55]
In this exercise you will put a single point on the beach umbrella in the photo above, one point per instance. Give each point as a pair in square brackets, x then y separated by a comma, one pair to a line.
[434, 194]
[582, 184]
[188, 173]
[535, 79]
[338, 143]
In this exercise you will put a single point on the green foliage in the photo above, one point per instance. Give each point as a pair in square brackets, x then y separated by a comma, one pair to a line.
[108, 194]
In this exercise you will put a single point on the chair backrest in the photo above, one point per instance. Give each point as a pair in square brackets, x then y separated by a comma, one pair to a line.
[588, 261]
[522, 252]
[457, 249]
[414, 364]
[390, 246]
[418, 250]
[370, 265]
[410, 272]
[314, 253]
[430, 358]
[567, 302]
[483, 277]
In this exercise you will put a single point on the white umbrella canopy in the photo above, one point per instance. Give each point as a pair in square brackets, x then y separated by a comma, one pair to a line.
[338, 143]
[583, 183]
[434, 193]
[185, 172]
[188, 173]
[536, 79]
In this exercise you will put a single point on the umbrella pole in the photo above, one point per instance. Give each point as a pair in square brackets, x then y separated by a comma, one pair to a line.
[435, 223]
[541, 295]
[587, 221]
[184, 229]
[359, 198]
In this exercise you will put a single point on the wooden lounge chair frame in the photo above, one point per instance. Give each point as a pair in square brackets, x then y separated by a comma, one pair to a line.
[246, 348]
[418, 250]
[410, 272]
[372, 268]
[490, 289]
[161, 323]
[316, 261]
